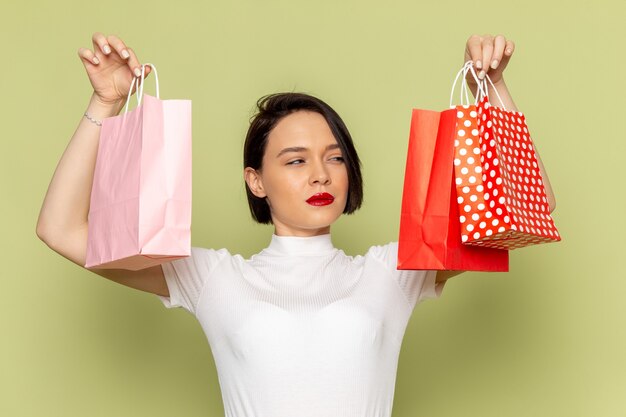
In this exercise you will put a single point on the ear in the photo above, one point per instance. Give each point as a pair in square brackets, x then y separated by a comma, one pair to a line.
[254, 181]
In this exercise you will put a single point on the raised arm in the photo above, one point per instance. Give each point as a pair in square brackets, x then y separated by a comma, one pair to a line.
[62, 222]
[491, 55]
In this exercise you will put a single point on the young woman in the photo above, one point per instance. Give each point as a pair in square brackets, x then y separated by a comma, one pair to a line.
[300, 329]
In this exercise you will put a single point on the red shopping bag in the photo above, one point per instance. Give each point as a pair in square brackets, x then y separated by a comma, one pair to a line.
[501, 197]
[429, 226]
[140, 209]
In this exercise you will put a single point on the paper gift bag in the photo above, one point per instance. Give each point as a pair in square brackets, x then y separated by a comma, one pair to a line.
[500, 192]
[140, 210]
[429, 226]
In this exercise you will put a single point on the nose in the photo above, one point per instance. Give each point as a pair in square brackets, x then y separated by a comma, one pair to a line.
[319, 175]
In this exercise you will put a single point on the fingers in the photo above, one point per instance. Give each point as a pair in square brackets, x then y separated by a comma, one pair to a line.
[126, 53]
[498, 51]
[506, 56]
[112, 47]
[509, 49]
[474, 50]
[489, 53]
[88, 57]
[100, 43]
[118, 46]
[133, 62]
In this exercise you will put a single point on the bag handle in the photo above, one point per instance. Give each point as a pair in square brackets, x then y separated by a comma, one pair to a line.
[494, 89]
[140, 86]
[482, 89]
[467, 67]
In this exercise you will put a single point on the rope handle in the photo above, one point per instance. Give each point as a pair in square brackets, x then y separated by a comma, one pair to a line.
[482, 89]
[140, 85]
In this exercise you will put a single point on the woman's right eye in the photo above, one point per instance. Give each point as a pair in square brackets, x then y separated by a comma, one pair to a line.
[296, 162]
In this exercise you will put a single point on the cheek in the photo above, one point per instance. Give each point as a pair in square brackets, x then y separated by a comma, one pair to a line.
[284, 185]
[343, 178]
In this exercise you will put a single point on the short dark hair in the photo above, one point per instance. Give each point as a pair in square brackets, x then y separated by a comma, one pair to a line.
[270, 110]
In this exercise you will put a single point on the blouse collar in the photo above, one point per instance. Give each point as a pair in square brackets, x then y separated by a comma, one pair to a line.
[294, 245]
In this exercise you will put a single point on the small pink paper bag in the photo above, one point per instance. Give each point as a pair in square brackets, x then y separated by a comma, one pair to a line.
[140, 211]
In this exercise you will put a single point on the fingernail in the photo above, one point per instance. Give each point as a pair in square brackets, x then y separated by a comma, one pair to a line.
[494, 64]
[96, 60]
[125, 54]
[106, 49]
[508, 52]
[137, 72]
[481, 75]
[479, 64]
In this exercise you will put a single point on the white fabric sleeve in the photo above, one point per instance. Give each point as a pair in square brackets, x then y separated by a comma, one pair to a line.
[417, 285]
[185, 277]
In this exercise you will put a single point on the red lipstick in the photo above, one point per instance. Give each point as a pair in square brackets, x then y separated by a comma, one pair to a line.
[321, 199]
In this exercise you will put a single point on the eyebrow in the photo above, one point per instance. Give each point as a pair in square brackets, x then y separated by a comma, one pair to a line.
[302, 149]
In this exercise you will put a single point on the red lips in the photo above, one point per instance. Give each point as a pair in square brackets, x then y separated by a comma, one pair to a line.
[321, 199]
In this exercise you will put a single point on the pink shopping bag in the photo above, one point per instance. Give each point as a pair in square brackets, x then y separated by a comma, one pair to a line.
[140, 211]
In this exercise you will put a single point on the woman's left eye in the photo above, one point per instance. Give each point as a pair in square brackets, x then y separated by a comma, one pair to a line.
[337, 158]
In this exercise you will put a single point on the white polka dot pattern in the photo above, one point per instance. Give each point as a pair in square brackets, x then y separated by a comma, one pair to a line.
[500, 192]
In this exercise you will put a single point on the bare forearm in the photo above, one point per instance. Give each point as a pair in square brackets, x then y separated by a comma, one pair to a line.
[66, 204]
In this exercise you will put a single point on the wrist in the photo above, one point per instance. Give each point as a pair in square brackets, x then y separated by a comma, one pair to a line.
[101, 110]
[500, 85]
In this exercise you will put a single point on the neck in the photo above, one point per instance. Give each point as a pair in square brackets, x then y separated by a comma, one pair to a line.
[281, 230]
[321, 245]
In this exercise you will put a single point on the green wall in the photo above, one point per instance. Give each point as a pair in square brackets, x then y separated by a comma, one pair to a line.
[547, 339]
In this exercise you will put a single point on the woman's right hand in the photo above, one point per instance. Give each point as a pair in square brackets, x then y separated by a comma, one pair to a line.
[111, 67]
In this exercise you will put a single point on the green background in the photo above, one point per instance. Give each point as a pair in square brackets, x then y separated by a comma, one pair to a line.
[546, 339]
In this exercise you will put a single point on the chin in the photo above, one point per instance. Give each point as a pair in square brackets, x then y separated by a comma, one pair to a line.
[325, 219]
[310, 218]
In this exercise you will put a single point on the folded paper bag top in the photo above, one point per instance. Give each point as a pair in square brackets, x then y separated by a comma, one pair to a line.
[140, 209]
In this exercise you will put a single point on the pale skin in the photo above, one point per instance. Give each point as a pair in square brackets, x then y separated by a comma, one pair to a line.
[301, 159]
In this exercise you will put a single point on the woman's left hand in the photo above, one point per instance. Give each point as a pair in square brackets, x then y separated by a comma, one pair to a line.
[490, 55]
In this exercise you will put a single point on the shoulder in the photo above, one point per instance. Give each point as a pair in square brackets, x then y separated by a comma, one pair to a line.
[386, 254]
[211, 255]
[417, 285]
[186, 277]
[202, 260]
[200, 251]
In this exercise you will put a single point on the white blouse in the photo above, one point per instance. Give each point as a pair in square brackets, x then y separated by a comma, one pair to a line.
[301, 329]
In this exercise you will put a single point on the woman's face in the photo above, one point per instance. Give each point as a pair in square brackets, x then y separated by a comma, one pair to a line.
[303, 176]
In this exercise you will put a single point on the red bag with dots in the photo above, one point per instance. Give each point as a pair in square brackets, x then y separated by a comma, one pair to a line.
[500, 192]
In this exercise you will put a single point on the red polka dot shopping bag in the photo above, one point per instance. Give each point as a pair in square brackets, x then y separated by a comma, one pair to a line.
[500, 193]
[430, 232]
